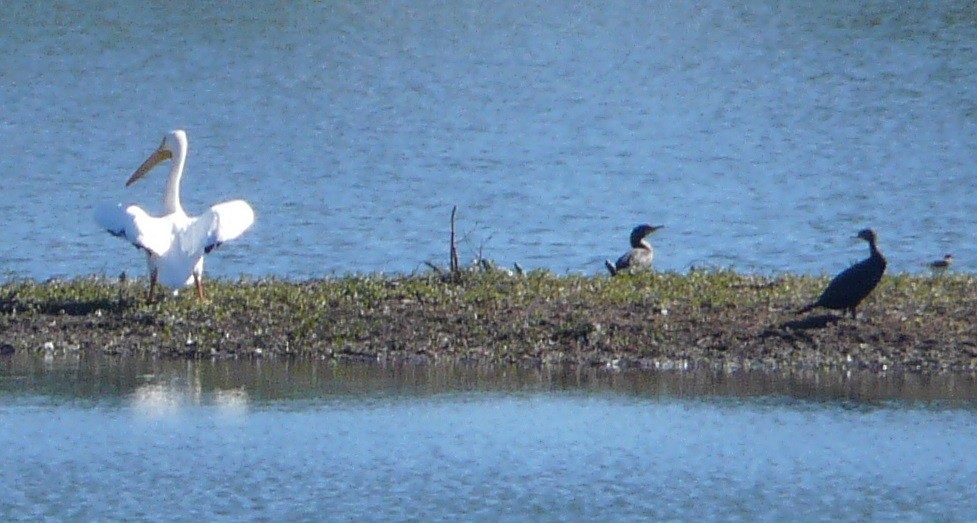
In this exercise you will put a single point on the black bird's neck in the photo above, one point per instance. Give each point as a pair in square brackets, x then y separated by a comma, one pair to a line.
[638, 242]
[873, 250]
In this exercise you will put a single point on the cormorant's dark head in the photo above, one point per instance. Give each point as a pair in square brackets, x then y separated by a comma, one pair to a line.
[639, 232]
[867, 235]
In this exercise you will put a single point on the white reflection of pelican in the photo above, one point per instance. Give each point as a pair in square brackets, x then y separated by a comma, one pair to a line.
[166, 396]
[156, 400]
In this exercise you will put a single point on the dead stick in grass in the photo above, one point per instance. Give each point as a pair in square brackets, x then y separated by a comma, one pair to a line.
[454, 249]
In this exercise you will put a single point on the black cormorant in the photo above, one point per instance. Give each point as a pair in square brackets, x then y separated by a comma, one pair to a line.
[641, 253]
[852, 285]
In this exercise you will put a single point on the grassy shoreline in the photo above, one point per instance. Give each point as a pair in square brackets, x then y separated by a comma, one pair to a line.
[717, 319]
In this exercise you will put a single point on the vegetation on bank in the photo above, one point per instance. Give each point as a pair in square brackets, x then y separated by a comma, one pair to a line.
[659, 320]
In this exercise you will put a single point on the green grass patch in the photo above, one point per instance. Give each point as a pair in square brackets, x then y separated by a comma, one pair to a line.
[716, 317]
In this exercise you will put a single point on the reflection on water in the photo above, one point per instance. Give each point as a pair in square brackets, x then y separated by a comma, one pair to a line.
[161, 399]
[95, 438]
[234, 384]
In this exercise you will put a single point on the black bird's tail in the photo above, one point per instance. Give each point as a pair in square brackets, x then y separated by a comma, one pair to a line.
[610, 267]
[807, 308]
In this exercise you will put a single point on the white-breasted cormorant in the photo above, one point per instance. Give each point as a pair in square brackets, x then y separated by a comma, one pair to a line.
[641, 253]
[853, 284]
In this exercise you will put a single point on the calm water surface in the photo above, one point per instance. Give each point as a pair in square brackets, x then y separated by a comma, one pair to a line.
[131, 439]
[762, 134]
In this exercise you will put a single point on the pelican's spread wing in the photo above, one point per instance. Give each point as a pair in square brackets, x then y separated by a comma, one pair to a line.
[136, 226]
[223, 222]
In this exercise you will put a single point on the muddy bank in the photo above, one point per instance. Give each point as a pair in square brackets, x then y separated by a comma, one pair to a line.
[705, 319]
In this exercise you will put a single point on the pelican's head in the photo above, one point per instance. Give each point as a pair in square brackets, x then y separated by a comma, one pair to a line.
[640, 232]
[867, 235]
[174, 143]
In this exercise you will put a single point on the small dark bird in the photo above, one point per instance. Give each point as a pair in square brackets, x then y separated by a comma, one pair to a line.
[853, 284]
[942, 265]
[641, 253]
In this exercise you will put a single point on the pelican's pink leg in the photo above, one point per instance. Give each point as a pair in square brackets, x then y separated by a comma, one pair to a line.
[200, 286]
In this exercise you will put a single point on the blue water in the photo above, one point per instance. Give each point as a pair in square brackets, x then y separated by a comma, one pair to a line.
[276, 441]
[763, 135]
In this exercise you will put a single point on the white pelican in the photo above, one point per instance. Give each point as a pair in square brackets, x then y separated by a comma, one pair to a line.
[175, 243]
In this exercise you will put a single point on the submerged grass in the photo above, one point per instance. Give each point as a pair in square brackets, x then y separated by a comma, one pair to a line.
[662, 320]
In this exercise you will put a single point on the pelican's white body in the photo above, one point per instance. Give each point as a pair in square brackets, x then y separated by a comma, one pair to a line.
[175, 243]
